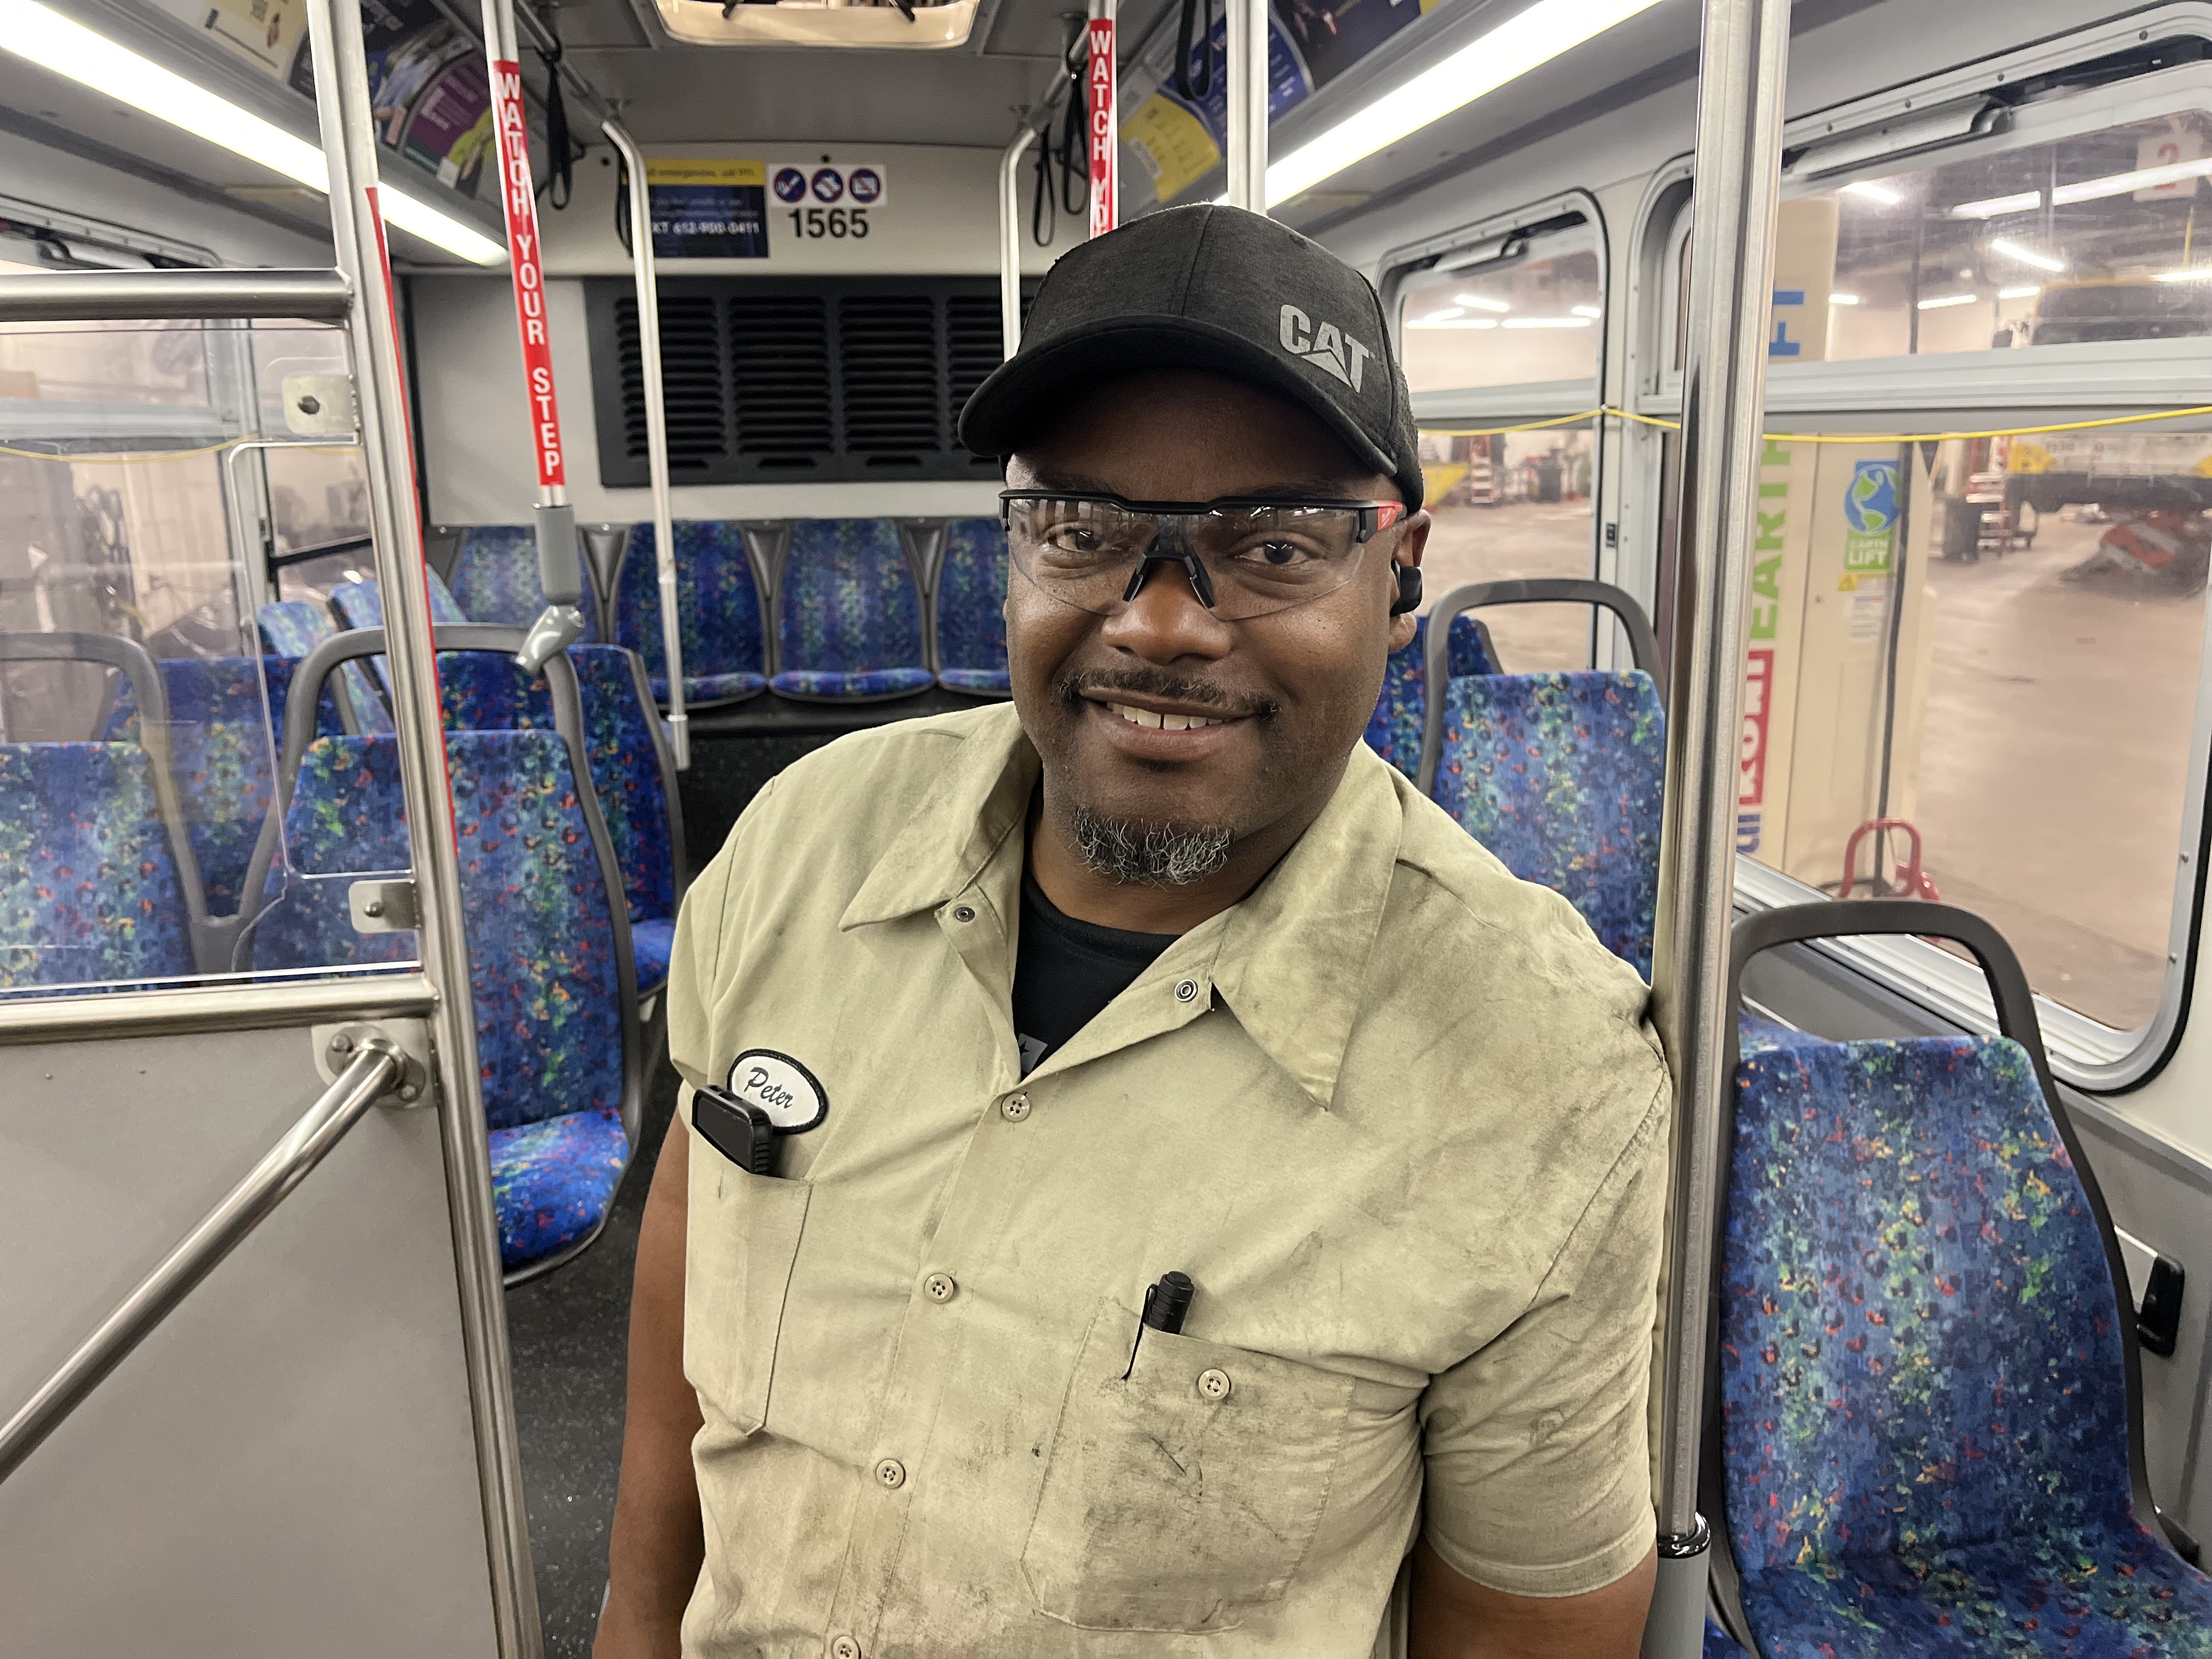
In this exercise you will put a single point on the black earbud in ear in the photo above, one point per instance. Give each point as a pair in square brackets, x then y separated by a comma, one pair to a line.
[1409, 588]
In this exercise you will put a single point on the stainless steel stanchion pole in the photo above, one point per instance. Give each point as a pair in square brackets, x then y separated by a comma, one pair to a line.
[1741, 70]
[656, 433]
[357, 230]
[1248, 103]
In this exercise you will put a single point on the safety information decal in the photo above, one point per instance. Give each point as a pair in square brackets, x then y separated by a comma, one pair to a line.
[527, 255]
[851, 184]
[708, 209]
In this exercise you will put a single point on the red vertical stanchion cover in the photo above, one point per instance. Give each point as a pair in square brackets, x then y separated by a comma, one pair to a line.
[527, 263]
[1104, 127]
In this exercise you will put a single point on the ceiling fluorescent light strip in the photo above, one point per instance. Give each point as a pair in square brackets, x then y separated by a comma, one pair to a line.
[40, 35]
[2124, 183]
[1547, 30]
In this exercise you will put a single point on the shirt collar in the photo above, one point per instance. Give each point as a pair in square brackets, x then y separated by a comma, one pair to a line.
[1291, 956]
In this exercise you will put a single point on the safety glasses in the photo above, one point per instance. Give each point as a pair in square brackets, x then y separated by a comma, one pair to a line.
[1245, 557]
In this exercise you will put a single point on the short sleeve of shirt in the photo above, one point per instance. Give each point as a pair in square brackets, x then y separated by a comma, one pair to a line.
[1539, 1478]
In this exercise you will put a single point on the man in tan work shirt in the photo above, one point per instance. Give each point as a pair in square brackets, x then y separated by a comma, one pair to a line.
[992, 1023]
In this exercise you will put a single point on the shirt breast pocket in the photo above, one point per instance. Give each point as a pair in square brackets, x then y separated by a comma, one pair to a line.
[1187, 1495]
[740, 1244]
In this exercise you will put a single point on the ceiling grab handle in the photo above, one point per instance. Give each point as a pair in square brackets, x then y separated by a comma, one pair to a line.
[561, 623]
[656, 431]
[1742, 62]
[349, 148]
[1101, 121]
[1247, 45]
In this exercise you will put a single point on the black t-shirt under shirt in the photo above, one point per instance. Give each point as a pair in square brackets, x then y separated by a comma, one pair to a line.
[1066, 970]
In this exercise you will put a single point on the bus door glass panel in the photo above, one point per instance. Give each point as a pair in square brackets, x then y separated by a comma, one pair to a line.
[128, 515]
[1510, 505]
[1992, 646]
[2098, 236]
[1536, 315]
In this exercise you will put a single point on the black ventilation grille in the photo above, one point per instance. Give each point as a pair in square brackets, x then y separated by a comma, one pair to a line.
[773, 380]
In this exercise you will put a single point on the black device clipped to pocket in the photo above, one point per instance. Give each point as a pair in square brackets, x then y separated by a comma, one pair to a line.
[737, 1129]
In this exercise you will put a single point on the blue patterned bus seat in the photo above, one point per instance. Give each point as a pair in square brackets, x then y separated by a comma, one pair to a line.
[543, 968]
[718, 612]
[1560, 777]
[484, 692]
[495, 579]
[971, 597]
[848, 615]
[361, 604]
[89, 892]
[223, 758]
[1394, 731]
[1924, 1406]
[292, 628]
[1718, 1643]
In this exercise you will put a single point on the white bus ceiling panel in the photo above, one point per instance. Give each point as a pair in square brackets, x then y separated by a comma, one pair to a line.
[292, 1445]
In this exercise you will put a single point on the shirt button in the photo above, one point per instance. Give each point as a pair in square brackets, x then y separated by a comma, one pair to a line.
[890, 1475]
[1214, 1385]
[1186, 990]
[844, 1648]
[938, 1287]
[1016, 1108]
[963, 912]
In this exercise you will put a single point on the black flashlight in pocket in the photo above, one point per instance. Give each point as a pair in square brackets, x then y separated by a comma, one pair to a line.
[737, 1129]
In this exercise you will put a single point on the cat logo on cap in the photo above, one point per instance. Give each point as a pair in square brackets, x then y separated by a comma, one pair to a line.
[792, 1096]
[1326, 346]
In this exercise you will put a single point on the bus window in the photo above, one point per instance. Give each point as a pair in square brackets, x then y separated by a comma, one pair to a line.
[1534, 313]
[1514, 505]
[1971, 674]
[2092, 237]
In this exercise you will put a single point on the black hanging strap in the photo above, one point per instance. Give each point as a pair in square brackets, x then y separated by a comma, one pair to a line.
[560, 154]
[1199, 86]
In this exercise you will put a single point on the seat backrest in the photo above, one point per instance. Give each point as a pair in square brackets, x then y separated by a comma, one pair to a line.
[971, 595]
[846, 600]
[495, 578]
[361, 603]
[718, 608]
[1560, 775]
[90, 889]
[1917, 1342]
[222, 756]
[1394, 731]
[292, 628]
[541, 954]
[483, 692]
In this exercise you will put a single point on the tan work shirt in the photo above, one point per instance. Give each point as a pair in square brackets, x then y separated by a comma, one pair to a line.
[1397, 1114]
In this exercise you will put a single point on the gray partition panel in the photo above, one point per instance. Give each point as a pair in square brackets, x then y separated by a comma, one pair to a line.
[286, 1466]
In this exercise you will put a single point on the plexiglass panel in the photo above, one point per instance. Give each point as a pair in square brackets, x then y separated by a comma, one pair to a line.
[1533, 316]
[144, 680]
[2100, 236]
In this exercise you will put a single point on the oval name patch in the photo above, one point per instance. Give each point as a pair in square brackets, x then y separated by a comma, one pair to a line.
[792, 1096]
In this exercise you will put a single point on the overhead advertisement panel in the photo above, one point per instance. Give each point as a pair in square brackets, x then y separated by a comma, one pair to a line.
[450, 131]
[1174, 139]
[264, 32]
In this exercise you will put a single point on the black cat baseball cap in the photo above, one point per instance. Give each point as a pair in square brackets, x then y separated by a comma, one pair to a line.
[1216, 288]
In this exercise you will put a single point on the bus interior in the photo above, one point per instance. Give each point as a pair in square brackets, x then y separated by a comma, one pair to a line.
[548, 412]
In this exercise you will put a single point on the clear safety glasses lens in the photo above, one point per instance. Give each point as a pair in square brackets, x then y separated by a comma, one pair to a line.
[1255, 558]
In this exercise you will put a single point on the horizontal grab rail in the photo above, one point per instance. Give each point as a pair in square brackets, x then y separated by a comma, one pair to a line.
[376, 1069]
[92, 296]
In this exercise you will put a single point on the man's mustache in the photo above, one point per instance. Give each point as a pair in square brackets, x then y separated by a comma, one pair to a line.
[1170, 688]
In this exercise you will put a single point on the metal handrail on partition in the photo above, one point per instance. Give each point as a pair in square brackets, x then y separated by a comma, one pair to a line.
[375, 1071]
[1010, 240]
[91, 296]
[1743, 56]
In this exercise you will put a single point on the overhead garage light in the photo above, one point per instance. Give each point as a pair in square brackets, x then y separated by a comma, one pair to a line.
[1838, 297]
[1874, 193]
[2026, 256]
[2025, 201]
[45, 37]
[1533, 38]
[1944, 301]
[2126, 183]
